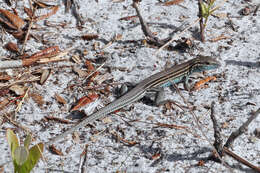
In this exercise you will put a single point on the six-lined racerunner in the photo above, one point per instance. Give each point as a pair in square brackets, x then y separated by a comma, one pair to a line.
[176, 74]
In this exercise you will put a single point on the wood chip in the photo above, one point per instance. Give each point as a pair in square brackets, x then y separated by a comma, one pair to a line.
[80, 72]
[107, 120]
[45, 75]
[37, 98]
[76, 59]
[76, 137]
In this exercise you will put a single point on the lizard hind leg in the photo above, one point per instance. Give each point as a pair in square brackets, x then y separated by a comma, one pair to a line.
[123, 89]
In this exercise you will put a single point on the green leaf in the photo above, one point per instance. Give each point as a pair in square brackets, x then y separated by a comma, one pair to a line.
[27, 141]
[34, 155]
[204, 10]
[12, 141]
[21, 155]
[211, 3]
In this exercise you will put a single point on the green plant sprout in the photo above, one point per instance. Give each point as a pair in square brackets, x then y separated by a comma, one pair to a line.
[207, 10]
[24, 159]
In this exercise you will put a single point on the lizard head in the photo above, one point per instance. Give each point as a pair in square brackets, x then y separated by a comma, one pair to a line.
[204, 63]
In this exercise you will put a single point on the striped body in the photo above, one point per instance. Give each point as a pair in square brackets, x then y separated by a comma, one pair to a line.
[175, 74]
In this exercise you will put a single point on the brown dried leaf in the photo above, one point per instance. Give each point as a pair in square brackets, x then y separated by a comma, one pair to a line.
[52, 12]
[45, 75]
[54, 150]
[118, 37]
[8, 24]
[156, 156]
[42, 4]
[173, 2]
[20, 35]
[3, 103]
[168, 106]
[224, 125]
[5, 77]
[28, 11]
[60, 99]
[18, 89]
[3, 92]
[12, 47]
[37, 98]
[16, 20]
[201, 163]
[89, 66]
[50, 51]
[45, 53]
[89, 37]
[85, 100]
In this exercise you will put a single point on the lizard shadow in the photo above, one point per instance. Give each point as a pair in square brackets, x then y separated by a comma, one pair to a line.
[243, 63]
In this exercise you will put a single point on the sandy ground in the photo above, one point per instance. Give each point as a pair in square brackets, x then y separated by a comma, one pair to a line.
[236, 90]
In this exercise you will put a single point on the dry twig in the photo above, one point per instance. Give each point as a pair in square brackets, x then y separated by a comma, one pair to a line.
[219, 143]
[147, 32]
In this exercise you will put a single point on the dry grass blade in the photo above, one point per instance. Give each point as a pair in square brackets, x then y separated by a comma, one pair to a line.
[171, 126]
[128, 17]
[221, 37]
